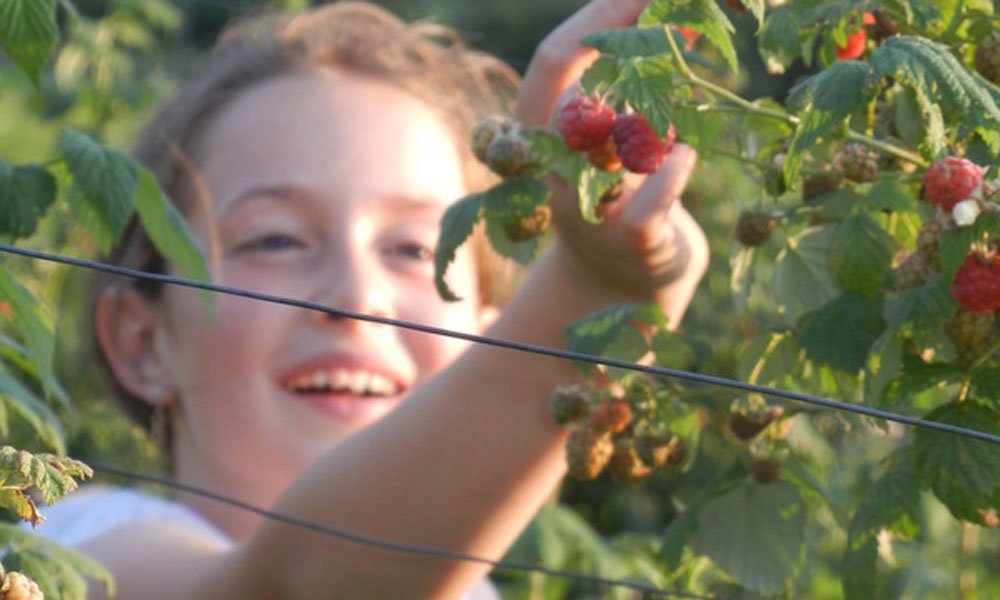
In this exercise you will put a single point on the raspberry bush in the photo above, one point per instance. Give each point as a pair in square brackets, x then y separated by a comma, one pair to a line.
[866, 261]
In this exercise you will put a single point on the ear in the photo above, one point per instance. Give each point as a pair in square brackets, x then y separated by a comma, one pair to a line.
[129, 328]
[488, 313]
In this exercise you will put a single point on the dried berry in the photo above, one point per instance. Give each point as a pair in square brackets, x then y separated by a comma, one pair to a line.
[765, 470]
[605, 156]
[510, 154]
[911, 272]
[485, 132]
[611, 415]
[521, 228]
[18, 586]
[588, 452]
[816, 185]
[971, 333]
[929, 243]
[654, 450]
[951, 180]
[569, 404]
[858, 163]
[625, 464]
[754, 228]
[585, 122]
[747, 425]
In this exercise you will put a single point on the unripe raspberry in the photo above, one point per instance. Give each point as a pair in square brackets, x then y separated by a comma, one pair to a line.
[625, 465]
[17, 586]
[765, 470]
[951, 180]
[754, 228]
[522, 228]
[588, 452]
[640, 149]
[884, 27]
[605, 156]
[911, 272]
[858, 163]
[748, 425]
[816, 185]
[929, 243]
[977, 283]
[568, 404]
[585, 122]
[510, 154]
[611, 415]
[971, 333]
[987, 57]
[654, 450]
[486, 130]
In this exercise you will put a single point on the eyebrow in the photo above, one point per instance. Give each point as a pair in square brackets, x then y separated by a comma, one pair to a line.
[288, 192]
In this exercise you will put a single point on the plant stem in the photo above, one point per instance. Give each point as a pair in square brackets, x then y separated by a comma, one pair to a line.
[792, 120]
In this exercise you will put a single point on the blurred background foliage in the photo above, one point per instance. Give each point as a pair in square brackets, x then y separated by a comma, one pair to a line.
[119, 58]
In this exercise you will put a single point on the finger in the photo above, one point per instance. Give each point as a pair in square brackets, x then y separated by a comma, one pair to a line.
[647, 210]
[560, 59]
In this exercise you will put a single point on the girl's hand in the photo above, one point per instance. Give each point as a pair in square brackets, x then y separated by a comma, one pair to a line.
[648, 247]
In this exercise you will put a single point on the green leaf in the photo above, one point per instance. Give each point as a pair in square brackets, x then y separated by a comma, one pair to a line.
[107, 178]
[903, 389]
[701, 129]
[938, 78]
[629, 42]
[457, 224]
[986, 384]
[704, 16]
[742, 274]
[963, 473]
[954, 244]
[14, 395]
[889, 194]
[63, 568]
[600, 75]
[921, 312]
[647, 85]
[860, 255]
[33, 324]
[590, 182]
[891, 499]
[842, 332]
[169, 232]
[884, 363]
[779, 40]
[676, 537]
[828, 99]
[511, 199]
[28, 33]
[616, 331]
[26, 192]
[756, 533]
[770, 359]
[802, 279]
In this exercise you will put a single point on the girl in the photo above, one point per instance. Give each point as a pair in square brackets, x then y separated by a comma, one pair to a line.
[314, 158]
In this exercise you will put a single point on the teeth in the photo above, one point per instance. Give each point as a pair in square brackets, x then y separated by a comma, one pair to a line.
[355, 382]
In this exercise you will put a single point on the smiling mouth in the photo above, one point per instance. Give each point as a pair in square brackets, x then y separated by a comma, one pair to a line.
[343, 381]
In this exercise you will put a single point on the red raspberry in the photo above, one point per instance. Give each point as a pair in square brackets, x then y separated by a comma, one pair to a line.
[585, 122]
[640, 149]
[977, 283]
[950, 180]
[855, 45]
[690, 36]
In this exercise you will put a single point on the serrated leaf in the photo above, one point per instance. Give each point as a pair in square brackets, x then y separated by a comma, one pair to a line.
[107, 178]
[67, 569]
[940, 79]
[647, 85]
[756, 533]
[802, 280]
[457, 224]
[510, 199]
[169, 232]
[889, 194]
[704, 16]
[615, 331]
[590, 182]
[828, 99]
[884, 362]
[779, 40]
[26, 192]
[629, 42]
[842, 332]
[700, 129]
[600, 75]
[986, 384]
[963, 473]
[33, 324]
[954, 244]
[860, 255]
[675, 539]
[770, 359]
[891, 498]
[915, 380]
[28, 33]
[14, 395]
[921, 311]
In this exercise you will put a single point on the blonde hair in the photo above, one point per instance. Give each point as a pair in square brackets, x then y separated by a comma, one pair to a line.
[426, 60]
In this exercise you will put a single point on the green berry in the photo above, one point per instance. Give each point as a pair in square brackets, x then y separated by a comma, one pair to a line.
[754, 228]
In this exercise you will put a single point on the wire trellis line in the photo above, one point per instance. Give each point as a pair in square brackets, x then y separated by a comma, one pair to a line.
[654, 370]
[425, 551]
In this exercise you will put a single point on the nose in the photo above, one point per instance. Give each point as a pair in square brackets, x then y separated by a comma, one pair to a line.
[354, 282]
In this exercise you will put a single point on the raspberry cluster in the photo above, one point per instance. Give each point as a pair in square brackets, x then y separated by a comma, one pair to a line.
[612, 140]
[602, 437]
[503, 147]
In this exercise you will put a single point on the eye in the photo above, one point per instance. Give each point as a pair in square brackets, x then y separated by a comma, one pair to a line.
[414, 250]
[272, 242]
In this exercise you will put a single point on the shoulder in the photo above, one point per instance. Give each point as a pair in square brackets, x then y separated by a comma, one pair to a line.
[96, 510]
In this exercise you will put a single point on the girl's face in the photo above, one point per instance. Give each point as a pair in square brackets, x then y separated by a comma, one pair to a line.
[327, 188]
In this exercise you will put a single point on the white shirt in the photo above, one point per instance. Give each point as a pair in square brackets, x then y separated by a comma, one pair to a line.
[95, 510]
